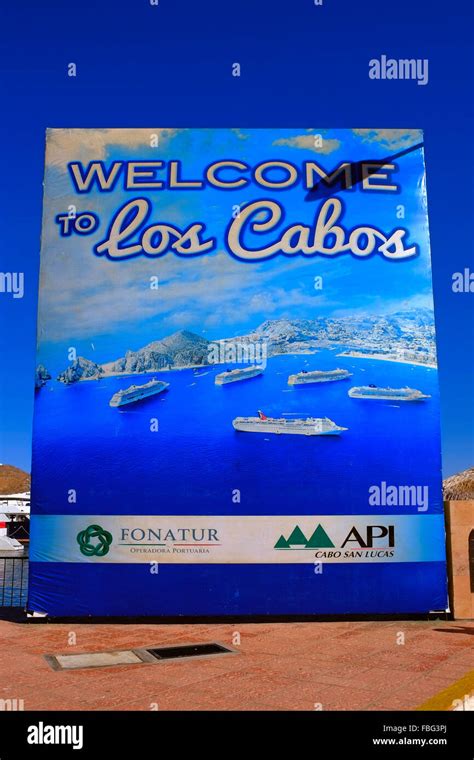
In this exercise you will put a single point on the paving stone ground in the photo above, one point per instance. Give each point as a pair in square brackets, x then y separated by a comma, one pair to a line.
[280, 666]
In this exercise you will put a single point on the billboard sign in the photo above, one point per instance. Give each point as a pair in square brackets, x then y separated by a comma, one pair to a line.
[236, 406]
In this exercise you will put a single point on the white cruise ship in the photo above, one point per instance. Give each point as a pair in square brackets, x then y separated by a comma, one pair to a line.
[138, 392]
[233, 375]
[307, 377]
[393, 394]
[308, 426]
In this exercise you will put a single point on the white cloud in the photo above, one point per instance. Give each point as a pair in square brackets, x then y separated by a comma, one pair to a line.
[241, 135]
[392, 139]
[306, 142]
[105, 297]
[84, 145]
[381, 306]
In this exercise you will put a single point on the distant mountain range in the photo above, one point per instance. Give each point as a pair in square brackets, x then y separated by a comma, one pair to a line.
[403, 329]
[177, 350]
[411, 330]
[79, 369]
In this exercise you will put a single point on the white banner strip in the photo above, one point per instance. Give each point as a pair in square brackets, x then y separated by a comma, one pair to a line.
[239, 539]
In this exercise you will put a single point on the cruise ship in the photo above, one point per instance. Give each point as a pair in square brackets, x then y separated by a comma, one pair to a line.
[393, 394]
[138, 392]
[306, 377]
[308, 426]
[233, 375]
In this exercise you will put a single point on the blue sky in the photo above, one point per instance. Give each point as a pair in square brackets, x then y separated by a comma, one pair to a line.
[171, 66]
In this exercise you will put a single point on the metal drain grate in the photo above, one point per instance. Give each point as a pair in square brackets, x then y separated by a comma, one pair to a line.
[141, 656]
[189, 650]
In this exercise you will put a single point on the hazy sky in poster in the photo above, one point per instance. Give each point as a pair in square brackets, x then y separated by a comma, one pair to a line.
[104, 307]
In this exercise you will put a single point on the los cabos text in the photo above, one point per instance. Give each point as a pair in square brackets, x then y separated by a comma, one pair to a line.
[257, 229]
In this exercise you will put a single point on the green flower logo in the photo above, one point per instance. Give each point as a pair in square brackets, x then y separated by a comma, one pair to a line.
[94, 541]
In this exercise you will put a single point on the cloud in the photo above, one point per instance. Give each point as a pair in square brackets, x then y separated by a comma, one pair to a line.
[84, 296]
[380, 306]
[84, 145]
[104, 297]
[392, 139]
[306, 142]
[241, 135]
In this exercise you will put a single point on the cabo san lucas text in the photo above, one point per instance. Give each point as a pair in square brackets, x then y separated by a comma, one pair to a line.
[130, 235]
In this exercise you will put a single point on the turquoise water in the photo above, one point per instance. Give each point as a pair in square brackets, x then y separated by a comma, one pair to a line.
[195, 461]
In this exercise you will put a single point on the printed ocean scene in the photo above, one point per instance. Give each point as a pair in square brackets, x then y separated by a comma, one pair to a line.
[112, 455]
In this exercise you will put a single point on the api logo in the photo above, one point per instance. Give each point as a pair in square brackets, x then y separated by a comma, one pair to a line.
[354, 546]
[94, 541]
[297, 540]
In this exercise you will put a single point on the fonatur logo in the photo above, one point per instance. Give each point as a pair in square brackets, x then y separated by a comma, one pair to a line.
[168, 540]
[378, 541]
[94, 541]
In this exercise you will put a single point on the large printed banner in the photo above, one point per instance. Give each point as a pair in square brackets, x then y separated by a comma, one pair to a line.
[236, 405]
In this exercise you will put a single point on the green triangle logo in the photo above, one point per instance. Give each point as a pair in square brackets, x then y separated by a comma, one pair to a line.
[297, 537]
[319, 539]
[282, 543]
